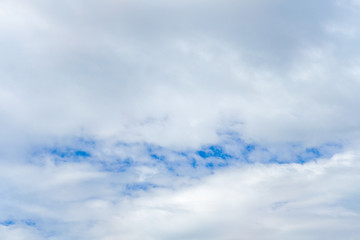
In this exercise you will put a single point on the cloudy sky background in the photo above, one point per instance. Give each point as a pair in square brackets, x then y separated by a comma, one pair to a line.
[179, 119]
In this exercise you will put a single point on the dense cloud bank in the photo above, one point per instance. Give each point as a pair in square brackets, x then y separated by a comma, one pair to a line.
[175, 74]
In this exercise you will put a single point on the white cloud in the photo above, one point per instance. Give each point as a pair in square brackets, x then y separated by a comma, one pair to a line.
[314, 200]
[257, 202]
[169, 79]
[20, 233]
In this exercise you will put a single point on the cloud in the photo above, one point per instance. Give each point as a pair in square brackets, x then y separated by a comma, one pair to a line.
[312, 200]
[191, 119]
[175, 74]
[289, 201]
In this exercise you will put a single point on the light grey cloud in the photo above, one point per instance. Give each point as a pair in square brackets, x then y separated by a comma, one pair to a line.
[235, 81]
[174, 74]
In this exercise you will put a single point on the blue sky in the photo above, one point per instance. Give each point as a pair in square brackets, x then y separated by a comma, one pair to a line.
[179, 119]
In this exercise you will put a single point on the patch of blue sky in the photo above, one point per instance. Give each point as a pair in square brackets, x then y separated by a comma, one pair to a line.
[217, 156]
[158, 157]
[70, 153]
[250, 147]
[170, 166]
[308, 154]
[7, 222]
[62, 154]
[300, 159]
[233, 151]
[275, 160]
[322, 151]
[158, 153]
[213, 151]
[210, 165]
[302, 155]
[194, 164]
[172, 161]
[314, 151]
[118, 165]
[248, 150]
[214, 163]
[130, 187]
[27, 222]
[71, 150]
[30, 223]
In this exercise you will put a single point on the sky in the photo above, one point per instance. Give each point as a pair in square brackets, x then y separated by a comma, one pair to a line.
[181, 120]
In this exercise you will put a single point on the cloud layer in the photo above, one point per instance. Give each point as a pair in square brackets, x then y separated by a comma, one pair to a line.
[76, 201]
[177, 74]
[179, 120]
